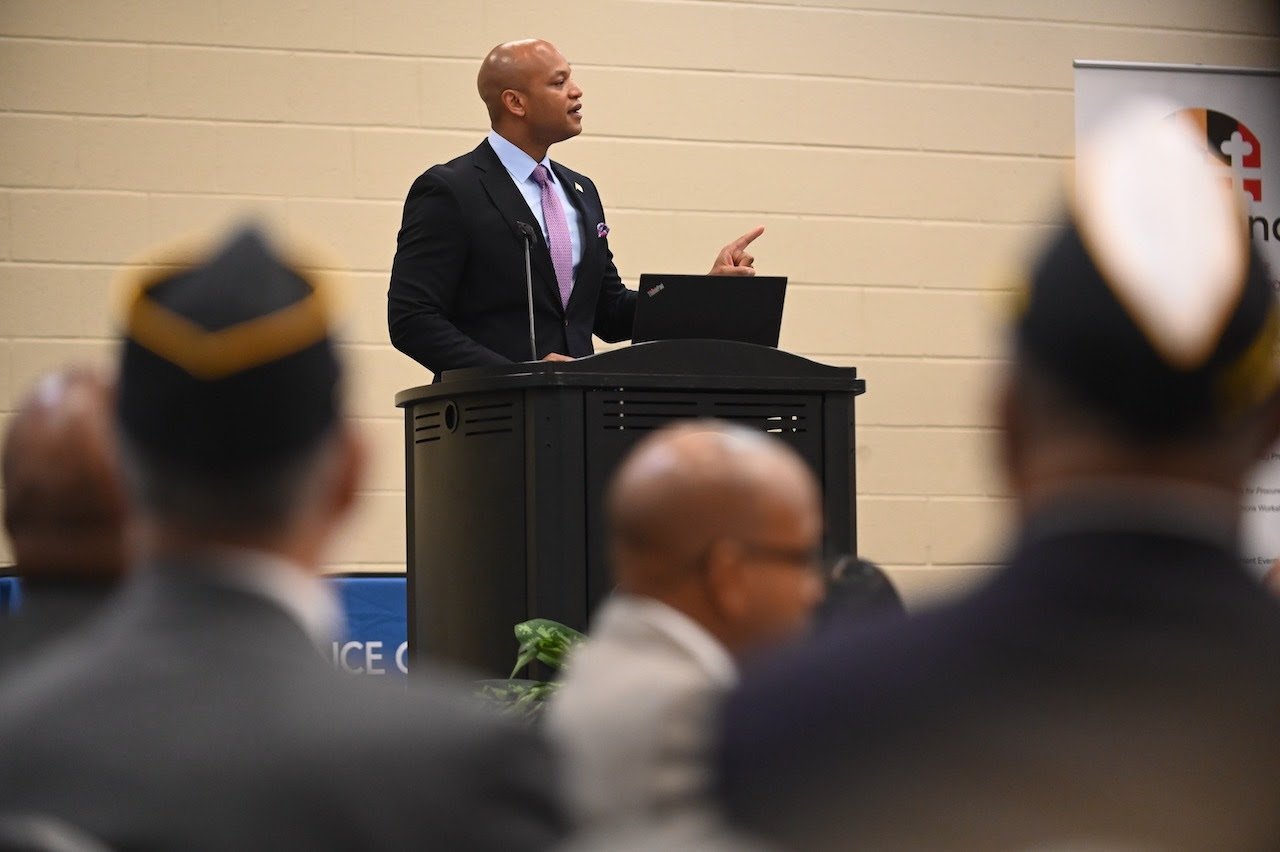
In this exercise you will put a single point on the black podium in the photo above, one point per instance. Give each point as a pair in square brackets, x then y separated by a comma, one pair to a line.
[506, 469]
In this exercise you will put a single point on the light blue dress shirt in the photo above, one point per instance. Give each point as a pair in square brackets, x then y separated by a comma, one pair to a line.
[520, 166]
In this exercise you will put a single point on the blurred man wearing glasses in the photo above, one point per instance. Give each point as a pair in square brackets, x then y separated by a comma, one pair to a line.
[714, 535]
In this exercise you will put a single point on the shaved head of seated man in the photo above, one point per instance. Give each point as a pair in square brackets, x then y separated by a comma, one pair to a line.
[697, 511]
[714, 537]
[458, 291]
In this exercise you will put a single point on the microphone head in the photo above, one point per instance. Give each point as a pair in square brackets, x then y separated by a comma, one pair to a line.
[526, 230]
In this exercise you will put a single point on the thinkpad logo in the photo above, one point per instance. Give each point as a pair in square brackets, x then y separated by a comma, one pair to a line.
[655, 290]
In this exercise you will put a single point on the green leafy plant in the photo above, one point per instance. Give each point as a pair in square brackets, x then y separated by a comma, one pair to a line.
[544, 640]
[541, 639]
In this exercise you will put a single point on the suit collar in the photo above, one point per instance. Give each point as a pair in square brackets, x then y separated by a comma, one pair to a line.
[501, 189]
[631, 616]
[1154, 507]
[506, 197]
[307, 601]
[518, 164]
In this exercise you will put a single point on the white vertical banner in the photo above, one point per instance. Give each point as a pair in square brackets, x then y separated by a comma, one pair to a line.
[1239, 111]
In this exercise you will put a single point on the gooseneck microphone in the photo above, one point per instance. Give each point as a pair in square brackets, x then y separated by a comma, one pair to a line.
[530, 236]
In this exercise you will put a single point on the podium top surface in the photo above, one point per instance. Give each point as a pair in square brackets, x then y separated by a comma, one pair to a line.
[683, 364]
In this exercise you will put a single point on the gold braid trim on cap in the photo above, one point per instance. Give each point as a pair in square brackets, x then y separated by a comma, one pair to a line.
[212, 355]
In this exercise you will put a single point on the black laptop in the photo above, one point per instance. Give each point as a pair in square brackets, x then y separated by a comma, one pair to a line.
[747, 309]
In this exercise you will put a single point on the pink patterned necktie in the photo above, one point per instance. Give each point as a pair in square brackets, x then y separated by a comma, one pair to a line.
[557, 233]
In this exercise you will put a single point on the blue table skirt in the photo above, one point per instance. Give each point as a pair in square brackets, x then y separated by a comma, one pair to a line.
[377, 628]
[10, 594]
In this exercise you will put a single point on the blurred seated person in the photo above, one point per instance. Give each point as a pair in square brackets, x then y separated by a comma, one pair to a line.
[714, 535]
[200, 711]
[64, 507]
[1114, 684]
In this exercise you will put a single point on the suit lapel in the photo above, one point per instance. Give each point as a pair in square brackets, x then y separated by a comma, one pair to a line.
[506, 197]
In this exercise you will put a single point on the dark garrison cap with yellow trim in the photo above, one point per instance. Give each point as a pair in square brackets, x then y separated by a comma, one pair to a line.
[228, 362]
[1149, 306]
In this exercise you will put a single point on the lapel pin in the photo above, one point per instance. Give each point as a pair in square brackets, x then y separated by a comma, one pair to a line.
[602, 230]
[577, 186]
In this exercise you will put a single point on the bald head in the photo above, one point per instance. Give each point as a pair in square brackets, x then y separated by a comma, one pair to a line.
[530, 94]
[721, 523]
[64, 506]
[508, 67]
[685, 487]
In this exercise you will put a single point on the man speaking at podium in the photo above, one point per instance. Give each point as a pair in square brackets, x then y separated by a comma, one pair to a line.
[459, 296]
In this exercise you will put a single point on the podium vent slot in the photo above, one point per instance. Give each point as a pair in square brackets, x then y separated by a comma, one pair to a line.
[766, 405]
[794, 416]
[768, 415]
[488, 419]
[644, 413]
[426, 426]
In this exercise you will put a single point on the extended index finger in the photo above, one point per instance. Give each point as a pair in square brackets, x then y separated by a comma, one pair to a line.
[746, 239]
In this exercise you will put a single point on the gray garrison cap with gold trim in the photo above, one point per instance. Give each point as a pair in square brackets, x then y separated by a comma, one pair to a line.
[228, 361]
[1149, 305]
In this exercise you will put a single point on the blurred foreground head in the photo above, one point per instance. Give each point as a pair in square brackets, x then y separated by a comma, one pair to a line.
[64, 503]
[723, 524]
[1146, 344]
[228, 403]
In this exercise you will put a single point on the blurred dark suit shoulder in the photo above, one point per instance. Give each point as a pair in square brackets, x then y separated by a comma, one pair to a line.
[197, 715]
[1107, 685]
[48, 611]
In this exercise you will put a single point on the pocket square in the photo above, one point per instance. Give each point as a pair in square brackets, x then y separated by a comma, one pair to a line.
[602, 230]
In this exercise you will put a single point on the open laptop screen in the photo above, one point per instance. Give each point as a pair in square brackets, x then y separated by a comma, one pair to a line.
[747, 309]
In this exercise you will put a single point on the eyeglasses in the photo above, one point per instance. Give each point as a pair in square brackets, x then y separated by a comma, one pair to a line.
[796, 557]
[801, 557]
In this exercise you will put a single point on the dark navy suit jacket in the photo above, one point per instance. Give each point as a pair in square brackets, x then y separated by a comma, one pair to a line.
[1116, 685]
[457, 295]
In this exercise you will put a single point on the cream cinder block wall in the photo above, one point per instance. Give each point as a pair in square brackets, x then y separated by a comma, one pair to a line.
[900, 153]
